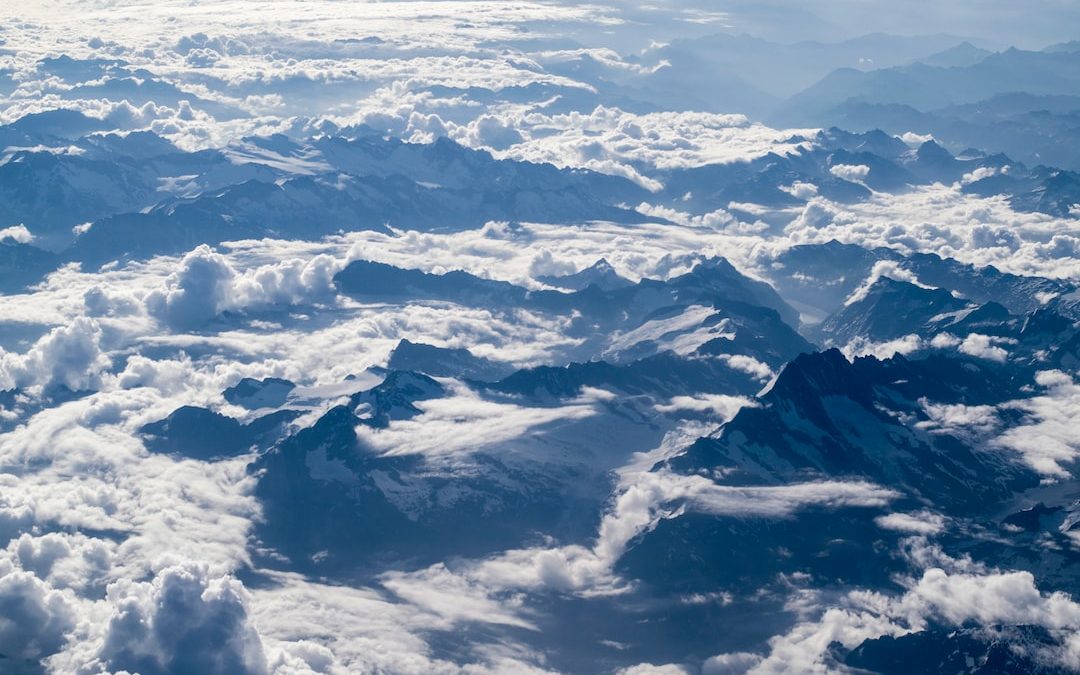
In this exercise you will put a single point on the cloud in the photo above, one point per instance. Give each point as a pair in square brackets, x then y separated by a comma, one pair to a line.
[861, 346]
[365, 630]
[466, 422]
[943, 220]
[736, 663]
[954, 594]
[856, 173]
[207, 284]
[801, 190]
[973, 423]
[35, 619]
[610, 140]
[196, 292]
[883, 268]
[975, 344]
[924, 523]
[178, 528]
[16, 233]
[722, 406]
[748, 365]
[647, 499]
[1047, 440]
[65, 560]
[984, 347]
[67, 355]
[184, 621]
[650, 669]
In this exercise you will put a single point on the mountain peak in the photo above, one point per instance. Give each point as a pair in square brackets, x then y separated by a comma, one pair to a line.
[600, 274]
[931, 151]
[393, 399]
[819, 374]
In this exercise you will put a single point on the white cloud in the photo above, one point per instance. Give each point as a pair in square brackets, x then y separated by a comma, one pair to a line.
[974, 422]
[748, 365]
[802, 190]
[65, 560]
[647, 499]
[179, 527]
[856, 173]
[923, 522]
[16, 233]
[1047, 439]
[981, 173]
[984, 347]
[735, 663]
[860, 346]
[650, 669]
[69, 355]
[952, 596]
[915, 140]
[183, 621]
[612, 141]
[36, 617]
[942, 220]
[724, 407]
[466, 423]
[883, 268]
[207, 284]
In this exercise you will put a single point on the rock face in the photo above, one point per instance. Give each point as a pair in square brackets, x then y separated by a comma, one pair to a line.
[204, 434]
[271, 392]
[828, 416]
[443, 362]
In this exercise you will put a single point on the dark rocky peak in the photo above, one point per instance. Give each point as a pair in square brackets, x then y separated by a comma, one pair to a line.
[393, 399]
[445, 362]
[600, 274]
[270, 392]
[812, 376]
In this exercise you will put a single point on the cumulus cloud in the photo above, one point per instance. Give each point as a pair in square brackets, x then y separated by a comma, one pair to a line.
[953, 595]
[65, 560]
[610, 140]
[68, 355]
[16, 233]
[801, 190]
[943, 220]
[650, 669]
[981, 346]
[207, 284]
[748, 365]
[735, 663]
[861, 346]
[245, 69]
[184, 621]
[35, 619]
[972, 422]
[1047, 440]
[856, 173]
[984, 347]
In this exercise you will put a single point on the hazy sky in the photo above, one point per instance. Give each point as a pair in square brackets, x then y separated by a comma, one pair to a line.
[998, 23]
[1032, 24]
